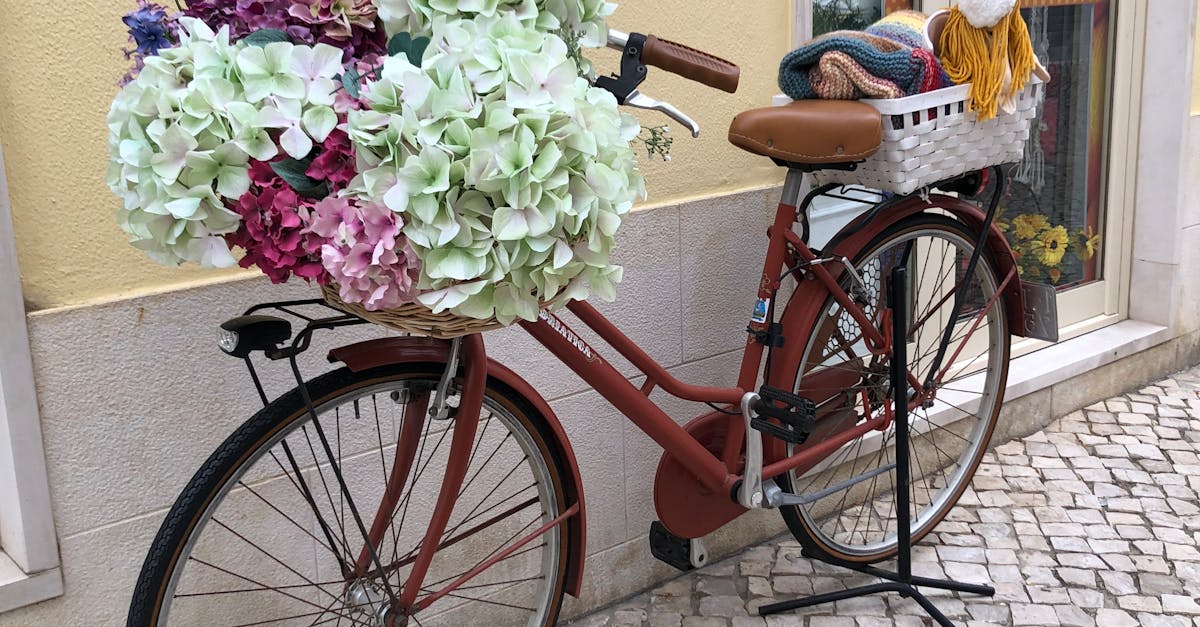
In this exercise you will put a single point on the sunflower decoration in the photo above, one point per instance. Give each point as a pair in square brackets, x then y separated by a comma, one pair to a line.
[1051, 245]
[1042, 249]
[1027, 227]
[1087, 243]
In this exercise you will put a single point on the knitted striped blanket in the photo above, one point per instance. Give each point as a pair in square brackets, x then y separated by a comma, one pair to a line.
[847, 65]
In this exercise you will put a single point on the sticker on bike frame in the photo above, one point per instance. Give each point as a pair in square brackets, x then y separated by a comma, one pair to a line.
[760, 311]
[568, 335]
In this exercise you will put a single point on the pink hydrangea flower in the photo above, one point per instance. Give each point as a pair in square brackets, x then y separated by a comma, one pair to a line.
[337, 17]
[275, 236]
[275, 229]
[335, 165]
[365, 253]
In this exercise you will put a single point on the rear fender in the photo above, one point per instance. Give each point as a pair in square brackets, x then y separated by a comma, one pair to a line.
[401, 350]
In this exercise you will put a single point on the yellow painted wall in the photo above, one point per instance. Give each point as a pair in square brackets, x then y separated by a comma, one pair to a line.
[59, 62]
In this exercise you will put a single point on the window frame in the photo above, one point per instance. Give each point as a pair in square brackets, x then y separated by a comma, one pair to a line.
[30, 569]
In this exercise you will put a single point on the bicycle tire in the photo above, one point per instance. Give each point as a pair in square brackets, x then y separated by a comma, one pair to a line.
[810, 523]
[199, 501]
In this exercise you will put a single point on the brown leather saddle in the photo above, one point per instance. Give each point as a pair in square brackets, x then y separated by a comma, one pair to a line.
[810, 134]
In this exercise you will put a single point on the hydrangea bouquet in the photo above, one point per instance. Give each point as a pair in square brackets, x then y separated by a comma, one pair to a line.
[446, 152]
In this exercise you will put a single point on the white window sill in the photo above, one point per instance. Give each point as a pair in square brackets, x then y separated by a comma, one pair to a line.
[1058, 362]
[18, 589]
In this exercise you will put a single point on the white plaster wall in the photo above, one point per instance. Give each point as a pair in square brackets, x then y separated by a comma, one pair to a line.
[1189, 306]
[134, 395]
[1164, 208]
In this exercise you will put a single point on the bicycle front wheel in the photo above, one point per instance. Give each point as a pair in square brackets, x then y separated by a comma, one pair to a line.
[854, 518]
[266, 534]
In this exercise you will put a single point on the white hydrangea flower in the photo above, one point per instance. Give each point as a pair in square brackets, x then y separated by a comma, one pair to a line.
[512, 172]
[583, 17]
[182, 134]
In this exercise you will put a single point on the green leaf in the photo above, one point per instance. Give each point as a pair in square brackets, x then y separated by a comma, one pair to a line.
[350, 79]
[266, 36]
[293, 172]
[414, 49]
[399, 43]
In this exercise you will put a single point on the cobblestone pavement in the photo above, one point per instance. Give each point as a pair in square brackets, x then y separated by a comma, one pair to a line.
[1095, 520]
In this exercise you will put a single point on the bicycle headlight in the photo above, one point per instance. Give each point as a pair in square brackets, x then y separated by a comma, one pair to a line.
[241, 336]
[227, 340]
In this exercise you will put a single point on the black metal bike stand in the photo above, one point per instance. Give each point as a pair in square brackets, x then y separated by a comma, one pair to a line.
[902, 581]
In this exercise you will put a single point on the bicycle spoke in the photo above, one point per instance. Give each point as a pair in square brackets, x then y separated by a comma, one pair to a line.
[420, 471]
[489, 602]
[257, 583]
[328, 496]
[255, 589]
[268, 554]
[337, 413]
[306, 615]
[493, 491]
[445, 543]
[288, 518]
[318, 621]
[503, 583]
[302, 486]
[489, 555]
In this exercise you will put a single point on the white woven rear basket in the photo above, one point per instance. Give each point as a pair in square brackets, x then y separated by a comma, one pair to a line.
[931, 137]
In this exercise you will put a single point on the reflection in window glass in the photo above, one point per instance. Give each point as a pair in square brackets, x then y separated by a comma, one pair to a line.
[1053, 209]
[831, 15]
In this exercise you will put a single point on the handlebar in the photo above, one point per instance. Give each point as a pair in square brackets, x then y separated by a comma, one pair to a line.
[691, 64]
[638, 51]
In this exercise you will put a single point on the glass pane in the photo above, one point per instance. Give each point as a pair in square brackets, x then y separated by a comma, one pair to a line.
[1053, 209]
[831, 15]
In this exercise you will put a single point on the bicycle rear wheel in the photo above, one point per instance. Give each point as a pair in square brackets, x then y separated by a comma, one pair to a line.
[264, 534]
[855, 517]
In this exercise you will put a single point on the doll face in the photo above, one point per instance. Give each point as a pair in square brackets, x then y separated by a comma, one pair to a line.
[985, 13]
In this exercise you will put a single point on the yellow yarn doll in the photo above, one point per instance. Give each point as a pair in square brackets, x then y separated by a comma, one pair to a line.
[986, 43]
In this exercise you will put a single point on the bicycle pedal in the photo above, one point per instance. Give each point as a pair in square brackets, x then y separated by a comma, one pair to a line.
[795, 419]
[682, 553]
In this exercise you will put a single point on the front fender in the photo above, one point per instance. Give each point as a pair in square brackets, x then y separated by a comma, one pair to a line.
[399, 350]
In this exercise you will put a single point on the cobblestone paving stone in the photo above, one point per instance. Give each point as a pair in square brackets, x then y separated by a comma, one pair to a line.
[1095, 520]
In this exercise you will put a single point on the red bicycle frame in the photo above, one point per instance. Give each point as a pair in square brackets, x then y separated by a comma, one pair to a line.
[718, 473]
[785, 249]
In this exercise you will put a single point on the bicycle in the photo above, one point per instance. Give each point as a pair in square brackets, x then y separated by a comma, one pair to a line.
[339, 502]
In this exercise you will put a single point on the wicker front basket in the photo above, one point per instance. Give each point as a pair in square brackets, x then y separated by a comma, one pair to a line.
[413, 318]
[933, 136]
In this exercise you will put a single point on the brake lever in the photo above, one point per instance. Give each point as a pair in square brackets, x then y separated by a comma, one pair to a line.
[633, 72]
[642, 101]
[617, 40]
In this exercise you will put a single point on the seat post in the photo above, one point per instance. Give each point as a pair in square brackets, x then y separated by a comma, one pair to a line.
[792, 187]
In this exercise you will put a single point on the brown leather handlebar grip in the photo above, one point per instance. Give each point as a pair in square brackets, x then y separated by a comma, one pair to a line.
[691, 63]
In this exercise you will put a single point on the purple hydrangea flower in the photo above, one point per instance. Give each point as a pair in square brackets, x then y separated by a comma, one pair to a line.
[349, 24]
[150, 28]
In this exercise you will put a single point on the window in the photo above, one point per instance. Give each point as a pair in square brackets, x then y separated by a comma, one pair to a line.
[1059, 187]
